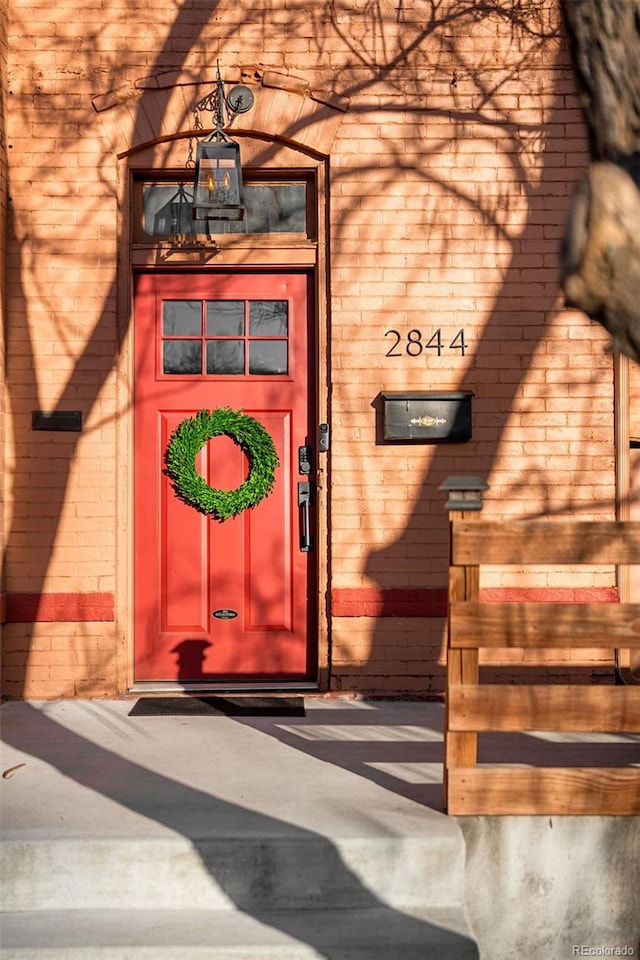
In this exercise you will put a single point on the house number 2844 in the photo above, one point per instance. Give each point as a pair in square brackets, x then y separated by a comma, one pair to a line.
[414, 343]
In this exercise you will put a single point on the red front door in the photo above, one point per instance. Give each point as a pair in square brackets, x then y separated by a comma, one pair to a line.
[232, 600]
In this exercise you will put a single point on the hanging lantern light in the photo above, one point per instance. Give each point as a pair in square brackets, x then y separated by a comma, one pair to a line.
[217, 186]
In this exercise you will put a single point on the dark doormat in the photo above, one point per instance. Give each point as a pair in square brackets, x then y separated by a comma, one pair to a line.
[218, 706]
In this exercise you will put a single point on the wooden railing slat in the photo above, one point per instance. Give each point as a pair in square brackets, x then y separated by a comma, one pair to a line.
[551, 625]
[512, 708]
[461, 749]
[596, 791]
[542, 541]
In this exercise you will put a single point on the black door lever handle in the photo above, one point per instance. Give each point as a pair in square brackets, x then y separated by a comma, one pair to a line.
[305, 495]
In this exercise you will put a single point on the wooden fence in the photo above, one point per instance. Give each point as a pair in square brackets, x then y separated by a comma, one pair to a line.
[474, 708]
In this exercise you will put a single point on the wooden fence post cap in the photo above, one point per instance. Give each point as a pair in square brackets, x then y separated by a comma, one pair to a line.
[465, 492]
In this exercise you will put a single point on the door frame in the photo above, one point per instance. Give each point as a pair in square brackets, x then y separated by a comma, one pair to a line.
[268, 252]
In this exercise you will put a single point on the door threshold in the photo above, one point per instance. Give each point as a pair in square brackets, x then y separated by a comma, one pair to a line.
[171, 686]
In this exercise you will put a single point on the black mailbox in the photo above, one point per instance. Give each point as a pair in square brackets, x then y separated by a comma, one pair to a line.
[427, 417]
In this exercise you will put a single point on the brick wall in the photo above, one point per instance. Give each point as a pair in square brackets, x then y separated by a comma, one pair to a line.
[452, 210]
[449, 181]
[3, 257]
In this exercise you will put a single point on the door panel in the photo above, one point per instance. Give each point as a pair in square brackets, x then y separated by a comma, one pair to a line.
[233, 600]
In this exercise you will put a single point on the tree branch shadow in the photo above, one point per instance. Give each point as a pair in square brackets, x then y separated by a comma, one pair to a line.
[321, 879]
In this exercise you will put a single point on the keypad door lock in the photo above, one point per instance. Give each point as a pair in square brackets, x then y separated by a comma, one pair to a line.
[305, 460]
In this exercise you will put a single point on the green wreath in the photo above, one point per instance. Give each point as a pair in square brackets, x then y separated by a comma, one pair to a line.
[190, 436]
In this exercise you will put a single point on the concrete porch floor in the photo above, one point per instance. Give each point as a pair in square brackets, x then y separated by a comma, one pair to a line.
[163, 838]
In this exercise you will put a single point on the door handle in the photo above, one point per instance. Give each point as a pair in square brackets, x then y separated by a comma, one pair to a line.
[305, 498]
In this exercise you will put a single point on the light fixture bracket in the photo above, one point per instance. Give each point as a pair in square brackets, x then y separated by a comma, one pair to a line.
[224, 107]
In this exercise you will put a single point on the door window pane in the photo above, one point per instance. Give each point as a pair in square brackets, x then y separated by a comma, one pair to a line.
[225, 356]
[225, 318]
[268, 318]
[268, 356]
[182, 318]
[182, 356]
[228, 344]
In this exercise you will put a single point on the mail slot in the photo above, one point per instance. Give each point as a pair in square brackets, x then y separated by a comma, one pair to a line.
[427, 417]
[63, 420]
